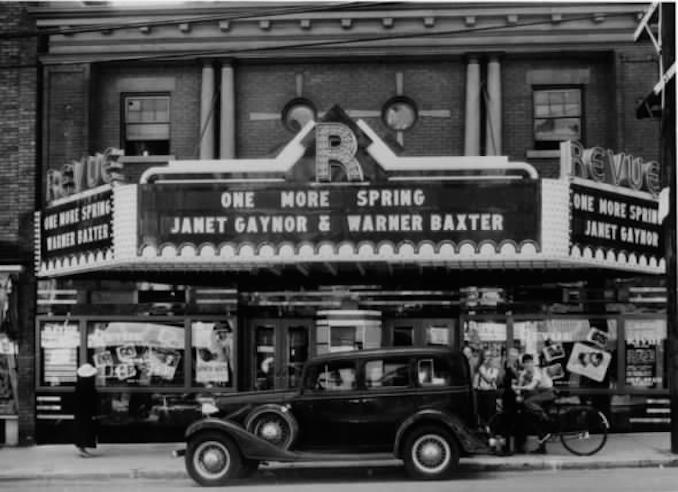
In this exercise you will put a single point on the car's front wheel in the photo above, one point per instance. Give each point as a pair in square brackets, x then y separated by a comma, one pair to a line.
[213, 459]
[430, 453]
[273, 424]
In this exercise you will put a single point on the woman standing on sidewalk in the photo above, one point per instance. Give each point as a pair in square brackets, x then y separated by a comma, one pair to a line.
[86, 403]
[486, 386]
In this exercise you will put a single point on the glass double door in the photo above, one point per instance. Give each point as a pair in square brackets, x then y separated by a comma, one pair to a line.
[279, 350]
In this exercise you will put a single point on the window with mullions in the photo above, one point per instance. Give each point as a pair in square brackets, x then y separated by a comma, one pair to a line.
[557, 116]
[146, 124]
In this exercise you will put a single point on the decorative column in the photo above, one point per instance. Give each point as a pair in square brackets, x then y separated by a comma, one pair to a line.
[227, 121]
[472, 123]
[493, 107]
[207, 111]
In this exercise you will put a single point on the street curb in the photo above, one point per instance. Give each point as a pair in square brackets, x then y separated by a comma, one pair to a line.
[570, 465]
[551, 465]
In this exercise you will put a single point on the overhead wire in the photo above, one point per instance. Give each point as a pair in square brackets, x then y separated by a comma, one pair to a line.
[179, 55]
[254, 13]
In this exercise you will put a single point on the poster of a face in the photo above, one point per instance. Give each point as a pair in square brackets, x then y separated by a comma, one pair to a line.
[598, 337]
[214, 350]
[553, 352]
[555, 371]
[589, 361]
[164, 362]
[103, 359]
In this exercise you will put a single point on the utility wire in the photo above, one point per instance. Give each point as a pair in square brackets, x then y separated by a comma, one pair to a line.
[340, 42]
[327, 43]
[258, 13]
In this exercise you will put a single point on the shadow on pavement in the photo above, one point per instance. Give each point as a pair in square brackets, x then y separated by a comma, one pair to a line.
[338, 475]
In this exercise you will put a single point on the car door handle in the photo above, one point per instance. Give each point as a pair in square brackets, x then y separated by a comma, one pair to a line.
[356, 400]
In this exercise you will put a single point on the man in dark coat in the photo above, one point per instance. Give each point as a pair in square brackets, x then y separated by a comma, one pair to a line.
[510, 425]
[86, 404]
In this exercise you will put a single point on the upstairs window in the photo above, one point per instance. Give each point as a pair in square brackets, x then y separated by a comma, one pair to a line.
[557, 116]
[146, 124]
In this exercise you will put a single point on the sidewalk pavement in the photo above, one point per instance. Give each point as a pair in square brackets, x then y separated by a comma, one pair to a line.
[154, 461]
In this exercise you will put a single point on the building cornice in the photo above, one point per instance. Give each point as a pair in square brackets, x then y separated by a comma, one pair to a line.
[107, 33]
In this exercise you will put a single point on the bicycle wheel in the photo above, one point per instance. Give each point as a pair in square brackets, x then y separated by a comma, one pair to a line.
[583, 430]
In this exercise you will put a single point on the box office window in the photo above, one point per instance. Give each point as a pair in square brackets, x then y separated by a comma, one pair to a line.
[213, 354]
[137, 354]
[344, 338]
[403, 336]
[646, 353]
[59, 353]
[557, 116]
[575, 353]
[146, 124]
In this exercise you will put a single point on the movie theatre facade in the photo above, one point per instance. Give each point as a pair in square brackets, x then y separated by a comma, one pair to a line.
[213, 276]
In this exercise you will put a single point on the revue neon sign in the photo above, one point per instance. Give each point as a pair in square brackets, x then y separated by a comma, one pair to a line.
[88, 172]
[604, 166]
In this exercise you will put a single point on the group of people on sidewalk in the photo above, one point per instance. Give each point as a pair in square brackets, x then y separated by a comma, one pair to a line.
[523, 389]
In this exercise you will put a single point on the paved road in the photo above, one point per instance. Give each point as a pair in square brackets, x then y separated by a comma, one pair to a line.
[390, 480]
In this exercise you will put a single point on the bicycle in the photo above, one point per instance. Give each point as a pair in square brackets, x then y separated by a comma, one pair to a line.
[582, 429]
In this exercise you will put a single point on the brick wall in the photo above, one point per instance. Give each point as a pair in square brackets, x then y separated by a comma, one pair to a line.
[637, 73]
[353, 86]
[180, 81]
[66, 119]
[518, 81]
[18, 86]
[616, 81]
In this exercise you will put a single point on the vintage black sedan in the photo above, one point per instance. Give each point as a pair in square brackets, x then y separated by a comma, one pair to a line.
[415, 403]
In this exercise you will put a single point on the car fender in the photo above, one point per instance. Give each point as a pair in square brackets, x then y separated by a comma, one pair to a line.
[281, 410]
[250, 445]
[468, 442]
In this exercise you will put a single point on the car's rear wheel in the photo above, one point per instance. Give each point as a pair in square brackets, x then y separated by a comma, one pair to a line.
[430, 453]
[212, 459]
[275, 425]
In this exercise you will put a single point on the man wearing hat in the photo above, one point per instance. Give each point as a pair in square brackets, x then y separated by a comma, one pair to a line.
[86, 403]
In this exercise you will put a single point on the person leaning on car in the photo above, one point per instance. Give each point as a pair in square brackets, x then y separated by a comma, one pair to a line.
[536, 389]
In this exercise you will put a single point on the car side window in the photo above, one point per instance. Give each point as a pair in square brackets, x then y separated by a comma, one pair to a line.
[433, 371]
[387, 372]
[331, 376]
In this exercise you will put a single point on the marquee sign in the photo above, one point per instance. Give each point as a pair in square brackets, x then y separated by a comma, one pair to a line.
[77, 226]
[337, 193]
[614, 221]
[455, 212]
[604, 166]
[614, 206]
[84, 174]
